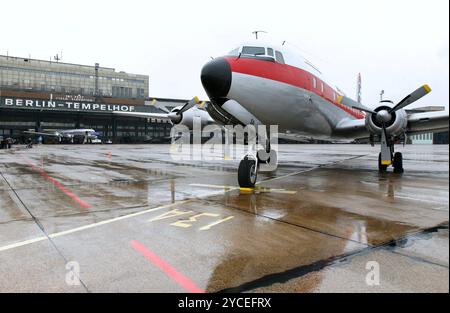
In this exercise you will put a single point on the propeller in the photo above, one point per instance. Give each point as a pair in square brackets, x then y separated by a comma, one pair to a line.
[384, 116]
[176, 116]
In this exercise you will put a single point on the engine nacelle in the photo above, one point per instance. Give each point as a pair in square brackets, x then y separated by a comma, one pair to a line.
[396, 126]
[187, 118]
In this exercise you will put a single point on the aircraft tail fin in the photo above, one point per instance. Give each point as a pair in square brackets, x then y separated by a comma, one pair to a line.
[358, 89]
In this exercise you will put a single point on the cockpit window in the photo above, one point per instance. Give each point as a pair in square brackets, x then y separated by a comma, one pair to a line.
[234, 52]
[254, 50]
[270, 52]
[280, 58]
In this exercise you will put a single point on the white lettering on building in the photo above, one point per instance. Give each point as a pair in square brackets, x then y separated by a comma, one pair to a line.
[67, 105]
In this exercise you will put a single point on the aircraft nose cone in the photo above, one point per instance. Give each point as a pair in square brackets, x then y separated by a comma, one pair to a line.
[216, 78]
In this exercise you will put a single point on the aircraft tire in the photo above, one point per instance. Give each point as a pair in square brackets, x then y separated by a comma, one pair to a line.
[247, 173]
[398, 163]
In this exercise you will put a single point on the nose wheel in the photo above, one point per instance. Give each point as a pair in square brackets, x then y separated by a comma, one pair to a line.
[247, 173]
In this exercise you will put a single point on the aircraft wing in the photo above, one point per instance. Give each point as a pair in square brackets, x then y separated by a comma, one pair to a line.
[434, 122]
[426, 122]
[42, 134]
[161, 116]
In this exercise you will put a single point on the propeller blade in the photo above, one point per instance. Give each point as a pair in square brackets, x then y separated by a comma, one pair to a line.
[413, 97]
[160, 106]
[194, 101]
[385, 150]
[354, 104]
[364, 109]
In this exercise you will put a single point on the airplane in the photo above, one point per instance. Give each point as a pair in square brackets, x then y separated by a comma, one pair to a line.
[261, 83]
[88, 134]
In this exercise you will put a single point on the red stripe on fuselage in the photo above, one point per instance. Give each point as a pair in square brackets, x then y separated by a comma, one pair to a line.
[291, 75]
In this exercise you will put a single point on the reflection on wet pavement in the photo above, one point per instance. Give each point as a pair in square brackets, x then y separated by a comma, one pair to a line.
[317, 210]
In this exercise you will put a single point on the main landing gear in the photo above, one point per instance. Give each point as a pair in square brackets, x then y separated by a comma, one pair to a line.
[266, 160]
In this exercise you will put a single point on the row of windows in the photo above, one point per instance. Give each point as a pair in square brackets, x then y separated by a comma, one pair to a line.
[85, 76]
[322, 88]
[422, 137]
[28, 80]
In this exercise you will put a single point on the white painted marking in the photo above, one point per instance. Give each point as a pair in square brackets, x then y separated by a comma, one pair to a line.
[78, 229]
[416, 199]
[22, 243]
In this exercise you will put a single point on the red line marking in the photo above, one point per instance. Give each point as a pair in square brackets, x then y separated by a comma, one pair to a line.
[83, 204]
[182, 280]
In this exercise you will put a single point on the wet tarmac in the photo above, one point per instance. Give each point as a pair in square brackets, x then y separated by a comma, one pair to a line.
[130, 218]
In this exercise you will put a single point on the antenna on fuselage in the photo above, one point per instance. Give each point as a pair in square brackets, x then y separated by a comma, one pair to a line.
[256, 32]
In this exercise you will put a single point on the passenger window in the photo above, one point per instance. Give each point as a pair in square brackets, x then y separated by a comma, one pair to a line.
[270, 52]
[321, 87]
[314, 83]
[279, 56]
[254, 50]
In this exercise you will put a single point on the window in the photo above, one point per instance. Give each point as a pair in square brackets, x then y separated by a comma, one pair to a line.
[280, 58]
[314, 83]
[254, 50]
[321, 87]
[270, 52]
[234, 52]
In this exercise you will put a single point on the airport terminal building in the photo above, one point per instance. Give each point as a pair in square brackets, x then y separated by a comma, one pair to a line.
[45, 95]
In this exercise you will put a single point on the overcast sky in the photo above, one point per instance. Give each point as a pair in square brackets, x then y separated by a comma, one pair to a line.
[397, 45]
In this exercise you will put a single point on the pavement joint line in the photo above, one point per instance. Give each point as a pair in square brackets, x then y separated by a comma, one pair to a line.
[42, 229]
[85, 227]
[302, 270]
[292, 224]
[167, 268]
[419, 259]
[55, 235]
[56, 183]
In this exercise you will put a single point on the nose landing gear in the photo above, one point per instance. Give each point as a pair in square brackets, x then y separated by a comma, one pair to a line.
[388, 157]
[247, 172]
[251, 165]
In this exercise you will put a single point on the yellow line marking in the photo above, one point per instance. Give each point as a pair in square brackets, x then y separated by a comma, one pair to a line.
[78, 229]
[208, 227]
[427, 88]
[192, 219]
[169, 214]
[54, 235]
[257, 189]
[214, 186]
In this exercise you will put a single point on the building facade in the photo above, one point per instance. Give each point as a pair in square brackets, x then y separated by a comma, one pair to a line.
[43, 96]
[65, 78]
